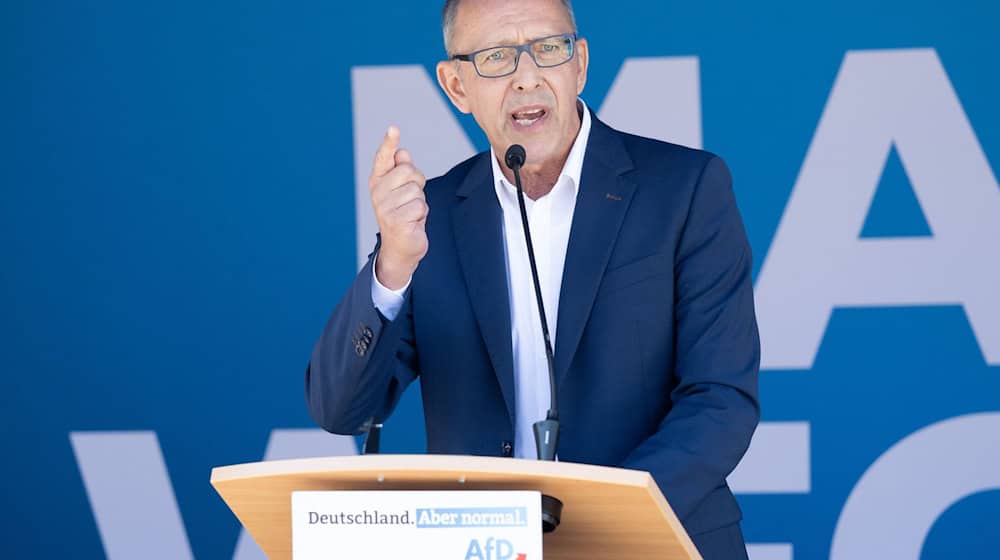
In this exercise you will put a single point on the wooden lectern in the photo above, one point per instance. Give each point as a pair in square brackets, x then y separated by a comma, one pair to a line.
[608, 513]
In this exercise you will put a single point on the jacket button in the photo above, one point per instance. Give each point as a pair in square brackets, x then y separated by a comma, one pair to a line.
[508, 449]
[362, 339]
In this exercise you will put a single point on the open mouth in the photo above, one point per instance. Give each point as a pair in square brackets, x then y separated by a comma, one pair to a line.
[528, 117]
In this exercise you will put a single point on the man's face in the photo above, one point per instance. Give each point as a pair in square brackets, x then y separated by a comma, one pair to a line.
[534, 107]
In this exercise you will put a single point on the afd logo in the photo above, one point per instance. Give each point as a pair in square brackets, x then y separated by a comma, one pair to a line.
[493, 549]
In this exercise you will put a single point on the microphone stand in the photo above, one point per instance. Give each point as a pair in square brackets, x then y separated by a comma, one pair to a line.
[373, 431]
[546, 431]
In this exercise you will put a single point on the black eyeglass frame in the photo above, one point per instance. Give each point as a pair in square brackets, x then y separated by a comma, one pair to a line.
[524, 48]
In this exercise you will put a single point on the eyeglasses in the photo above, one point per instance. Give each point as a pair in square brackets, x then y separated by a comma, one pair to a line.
[497, 62]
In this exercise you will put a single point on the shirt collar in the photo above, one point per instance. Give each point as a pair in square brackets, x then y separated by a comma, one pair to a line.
[571, 170]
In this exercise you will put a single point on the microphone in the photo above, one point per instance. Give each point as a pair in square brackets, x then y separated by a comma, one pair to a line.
[514, 158]
[546, 431]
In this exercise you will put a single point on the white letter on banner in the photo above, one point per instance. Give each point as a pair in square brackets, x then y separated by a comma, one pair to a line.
[124, 472]
[777, 461]
[893, 507]
[779, 551]
[817, 261]
[656, 97]
[406, 97]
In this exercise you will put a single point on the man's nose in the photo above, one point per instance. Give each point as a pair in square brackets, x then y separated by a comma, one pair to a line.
[528, 75]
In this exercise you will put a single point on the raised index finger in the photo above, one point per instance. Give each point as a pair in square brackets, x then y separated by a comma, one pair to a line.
[385, 156]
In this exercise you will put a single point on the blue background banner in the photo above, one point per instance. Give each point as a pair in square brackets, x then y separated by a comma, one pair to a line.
[178, 219]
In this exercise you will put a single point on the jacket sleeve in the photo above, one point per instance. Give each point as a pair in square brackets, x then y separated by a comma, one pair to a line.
[715, 407]
[362, 362]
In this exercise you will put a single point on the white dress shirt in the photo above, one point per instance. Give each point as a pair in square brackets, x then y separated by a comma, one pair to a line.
[549, 218]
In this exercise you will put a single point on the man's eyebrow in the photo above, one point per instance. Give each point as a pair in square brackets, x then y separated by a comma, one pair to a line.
[495, 43]
[509, 42]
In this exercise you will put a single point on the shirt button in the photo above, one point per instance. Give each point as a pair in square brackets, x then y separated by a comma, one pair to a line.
[508, 449]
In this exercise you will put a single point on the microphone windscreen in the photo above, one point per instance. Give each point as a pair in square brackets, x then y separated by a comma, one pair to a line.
[515, 156]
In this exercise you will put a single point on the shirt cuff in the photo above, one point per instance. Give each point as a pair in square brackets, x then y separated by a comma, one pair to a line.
[388, 302]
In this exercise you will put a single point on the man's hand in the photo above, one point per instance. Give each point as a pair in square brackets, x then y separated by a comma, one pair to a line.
[397, 189]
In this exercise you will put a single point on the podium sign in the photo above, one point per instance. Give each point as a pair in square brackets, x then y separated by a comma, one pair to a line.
[607, 512]
[417, 525]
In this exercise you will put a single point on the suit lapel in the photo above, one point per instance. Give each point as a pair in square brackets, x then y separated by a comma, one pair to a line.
[602, 202]
[478, 229]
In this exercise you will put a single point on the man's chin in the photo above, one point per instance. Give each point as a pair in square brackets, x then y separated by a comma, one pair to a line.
[538, 150]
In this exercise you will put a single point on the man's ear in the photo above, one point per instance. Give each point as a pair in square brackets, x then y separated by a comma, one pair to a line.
[582, 62]
[451, 83]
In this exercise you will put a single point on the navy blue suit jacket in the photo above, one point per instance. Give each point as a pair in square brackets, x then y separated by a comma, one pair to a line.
[657, 354]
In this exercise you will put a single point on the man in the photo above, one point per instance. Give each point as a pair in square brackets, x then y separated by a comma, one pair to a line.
[644, 267]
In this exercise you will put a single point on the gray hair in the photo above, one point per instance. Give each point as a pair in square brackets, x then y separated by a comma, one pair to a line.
[451, 10]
